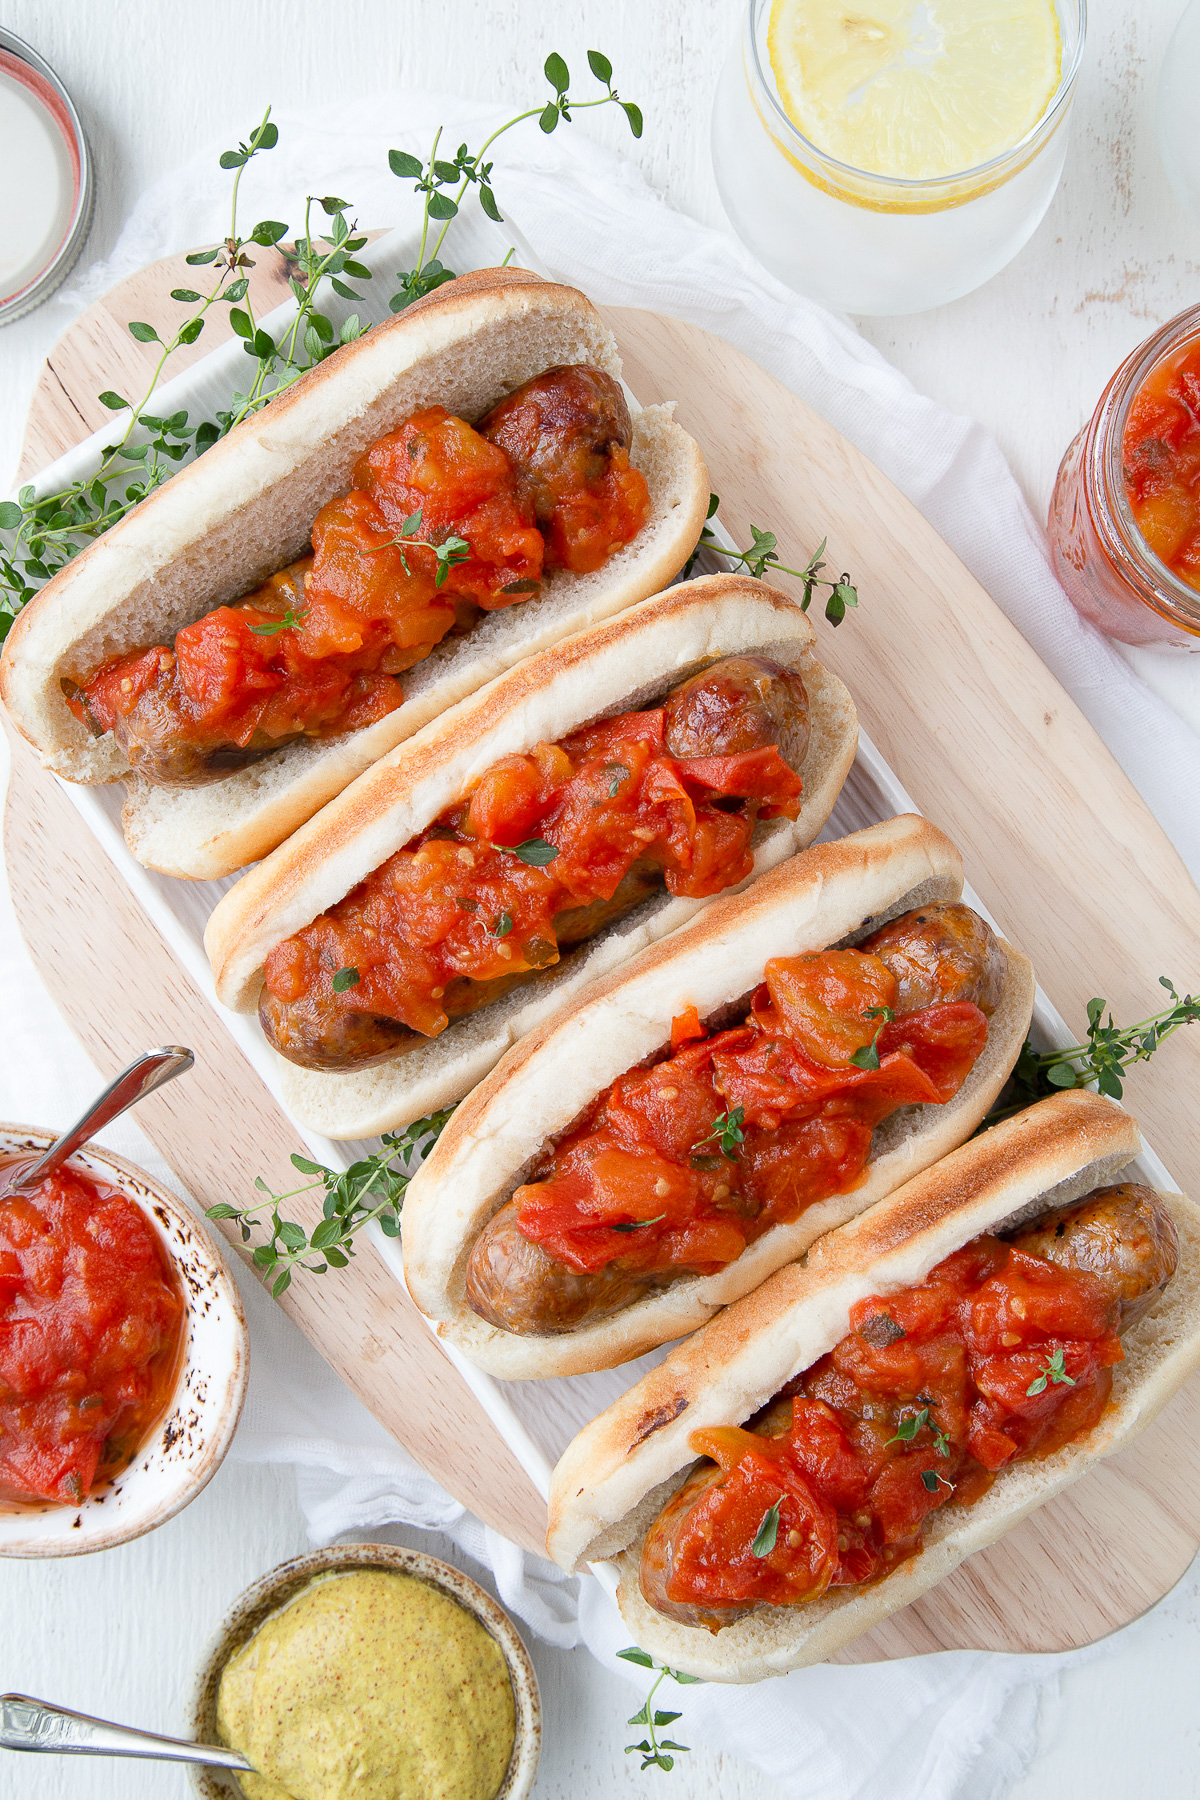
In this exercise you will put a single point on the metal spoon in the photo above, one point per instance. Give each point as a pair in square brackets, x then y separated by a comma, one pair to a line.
[28, 1724]
[141, 1078]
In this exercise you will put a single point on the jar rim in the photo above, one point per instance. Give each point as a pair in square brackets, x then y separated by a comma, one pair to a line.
[924, 185]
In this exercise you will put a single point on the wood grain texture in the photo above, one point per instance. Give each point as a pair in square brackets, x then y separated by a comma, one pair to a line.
[1056, 841]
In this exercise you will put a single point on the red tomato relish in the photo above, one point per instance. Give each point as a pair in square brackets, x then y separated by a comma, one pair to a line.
[997, 1356]
[1161, 458]
[681, 1165]
[317, 649]
[90, 1330]
[458, 902]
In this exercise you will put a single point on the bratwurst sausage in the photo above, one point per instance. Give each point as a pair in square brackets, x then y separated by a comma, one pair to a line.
[946, 953]
[749, 702]
[941, 952]
[1122, 1235]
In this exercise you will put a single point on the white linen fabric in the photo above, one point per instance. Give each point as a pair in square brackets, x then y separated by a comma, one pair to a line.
[934, 1727]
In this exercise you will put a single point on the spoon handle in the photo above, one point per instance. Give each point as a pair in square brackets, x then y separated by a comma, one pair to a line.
[134, 1083]
[28, 1724]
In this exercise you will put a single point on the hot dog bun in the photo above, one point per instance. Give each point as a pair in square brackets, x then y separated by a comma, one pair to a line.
[245, 508]
[619, 1471]
[628, 662]
[832, 893]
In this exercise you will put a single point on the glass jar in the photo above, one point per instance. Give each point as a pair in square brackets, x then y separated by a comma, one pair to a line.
[1108, 570]
[866, 243]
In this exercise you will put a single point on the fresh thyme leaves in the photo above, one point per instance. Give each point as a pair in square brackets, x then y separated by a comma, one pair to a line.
[639, 1224]
[38, 537]
[291, 621]
[617, 773]
[442, 181]
[727, 1133]
[370, 1190]
[346, 978]
[1109, 1050]
[931, 1481]
[908, 1429]
[651, 1750]
[767, 1535]
[502, 924]
[452, 550]
[535, 851]
[867, 1056]
[1052, 1370]
[763, 554]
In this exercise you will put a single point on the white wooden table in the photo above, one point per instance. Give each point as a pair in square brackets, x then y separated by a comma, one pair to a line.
[1027, 355]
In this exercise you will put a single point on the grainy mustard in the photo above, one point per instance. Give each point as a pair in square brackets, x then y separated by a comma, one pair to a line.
[372, 1685]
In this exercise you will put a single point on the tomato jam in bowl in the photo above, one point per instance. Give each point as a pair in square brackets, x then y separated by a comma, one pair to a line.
[123, 1355]
[1125, 516]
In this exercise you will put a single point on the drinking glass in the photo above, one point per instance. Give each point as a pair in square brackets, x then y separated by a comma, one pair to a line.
[867, 243]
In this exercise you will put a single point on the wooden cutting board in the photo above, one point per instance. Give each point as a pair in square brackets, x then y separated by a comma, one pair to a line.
[1055, 839]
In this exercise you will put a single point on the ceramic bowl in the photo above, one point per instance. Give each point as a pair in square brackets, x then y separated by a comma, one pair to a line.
[274, 1591]
[185, 1449]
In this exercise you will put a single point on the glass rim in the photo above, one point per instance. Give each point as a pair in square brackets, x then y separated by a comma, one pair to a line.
[924, 184]
[1112, 419]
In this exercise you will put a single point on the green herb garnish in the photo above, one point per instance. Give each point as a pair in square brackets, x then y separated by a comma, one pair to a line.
[867, 1056]
[502, 924]
[1052, 1370]
[617, 773]
[370, 1190]
[767, 1535]
[907, 1429]
[763, 554]
[535, 851]
[38, 537]
[639, 1224]
[346, 978]
[650, 1749]
[291, 621]
[1109, 1050]
[727, 1133]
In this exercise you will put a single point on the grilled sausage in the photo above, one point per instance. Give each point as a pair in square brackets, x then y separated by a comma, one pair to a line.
[741, 703]
[1124, 1235]
[658, 1551]
[149, 734]
[745, 702]
[559, 431]
[516, 1286]
[941, 953]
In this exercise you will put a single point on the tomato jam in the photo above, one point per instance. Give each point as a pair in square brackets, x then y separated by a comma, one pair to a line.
[90, 1332]
[492, 889]
[1124, 521]
[997, 1356]
[681, 1165]
[1161, 457]
[440, 522]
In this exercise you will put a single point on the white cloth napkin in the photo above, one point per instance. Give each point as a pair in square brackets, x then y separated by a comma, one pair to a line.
[936, 1727]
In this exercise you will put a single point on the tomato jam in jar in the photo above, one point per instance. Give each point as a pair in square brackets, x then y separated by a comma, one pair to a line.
[1125, 517]
[91, 1329]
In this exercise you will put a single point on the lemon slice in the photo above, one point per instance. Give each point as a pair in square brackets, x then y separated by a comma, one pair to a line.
[915, 88]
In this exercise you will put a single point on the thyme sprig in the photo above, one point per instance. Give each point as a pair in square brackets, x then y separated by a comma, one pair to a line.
[369, 1191]
[1109, 1050]
[654, 1753]
[38, 537]
[727, 1133]
[763, 555]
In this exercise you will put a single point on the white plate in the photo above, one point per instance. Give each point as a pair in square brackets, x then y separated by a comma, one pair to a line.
[536, 1419]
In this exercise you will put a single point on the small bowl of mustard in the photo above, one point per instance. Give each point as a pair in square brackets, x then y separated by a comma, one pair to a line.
[369, 1670]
